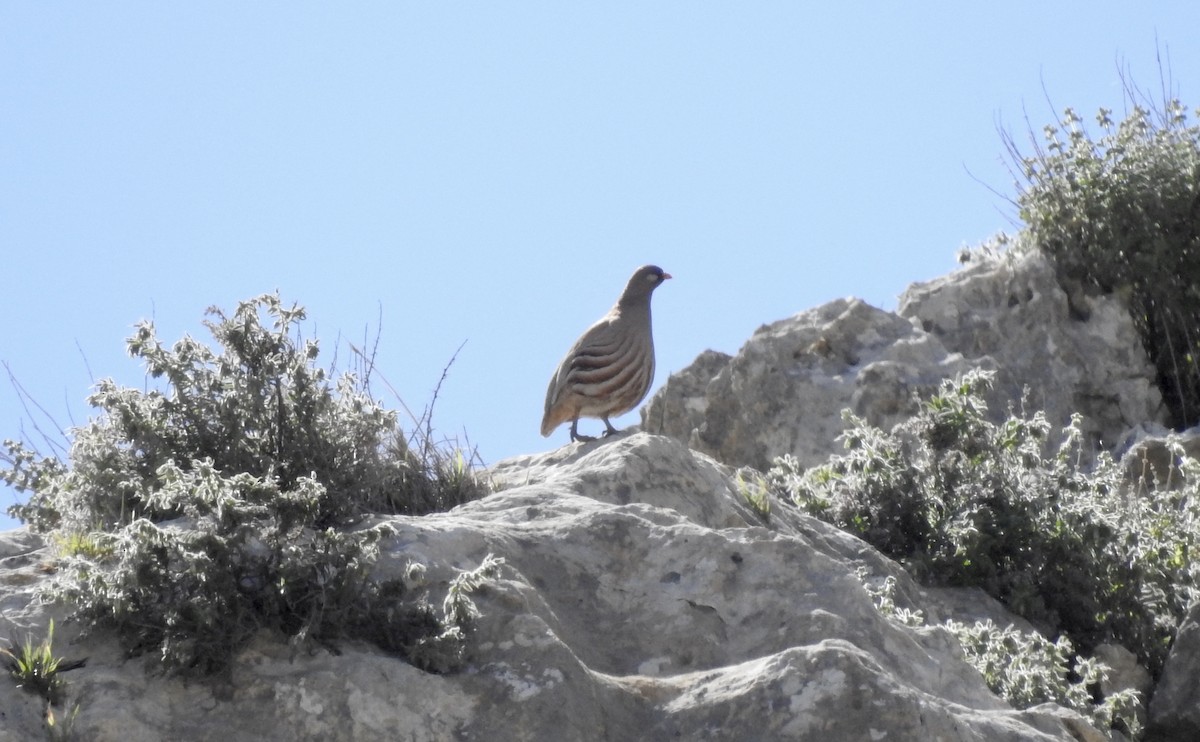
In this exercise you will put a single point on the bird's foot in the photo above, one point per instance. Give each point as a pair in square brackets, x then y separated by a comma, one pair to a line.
[577, 436]
[609, 429]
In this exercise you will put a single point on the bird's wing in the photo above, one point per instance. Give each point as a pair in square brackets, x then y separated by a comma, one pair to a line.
[595, 348]
[602, 338]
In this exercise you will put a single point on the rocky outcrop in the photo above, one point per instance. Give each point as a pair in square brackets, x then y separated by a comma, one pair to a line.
[784, 390]
[642, 598]
[1052, 352]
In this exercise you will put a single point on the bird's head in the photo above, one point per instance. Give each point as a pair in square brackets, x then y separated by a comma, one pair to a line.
[642, 283]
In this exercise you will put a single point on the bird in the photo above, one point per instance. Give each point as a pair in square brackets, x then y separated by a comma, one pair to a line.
[610, 367]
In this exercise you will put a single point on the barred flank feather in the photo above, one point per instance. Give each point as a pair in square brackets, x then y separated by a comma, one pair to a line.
[610, 368]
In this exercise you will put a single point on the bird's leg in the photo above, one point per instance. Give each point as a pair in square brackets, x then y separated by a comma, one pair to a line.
[576, 436]
[609, 429]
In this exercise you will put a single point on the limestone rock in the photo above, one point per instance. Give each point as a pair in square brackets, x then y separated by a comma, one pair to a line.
[682, 403]
[642, 598]
[785, 389]
[1080, 356]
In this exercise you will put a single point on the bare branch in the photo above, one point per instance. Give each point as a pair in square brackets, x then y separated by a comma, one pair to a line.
[59, 450]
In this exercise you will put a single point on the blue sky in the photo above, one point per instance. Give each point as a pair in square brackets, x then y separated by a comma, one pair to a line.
[491, 173]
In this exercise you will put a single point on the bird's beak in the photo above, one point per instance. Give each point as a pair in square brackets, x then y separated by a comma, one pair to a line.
[666, 276]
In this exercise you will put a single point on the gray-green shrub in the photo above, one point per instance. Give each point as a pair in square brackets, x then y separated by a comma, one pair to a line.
[1025, 669]
[962, 501]
[236, 499]
[1121, 213]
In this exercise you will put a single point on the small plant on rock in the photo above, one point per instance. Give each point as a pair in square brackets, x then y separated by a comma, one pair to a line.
[34, 667]
[755, 492]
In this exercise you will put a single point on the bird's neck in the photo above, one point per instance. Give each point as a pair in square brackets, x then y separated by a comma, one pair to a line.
[631, 306]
